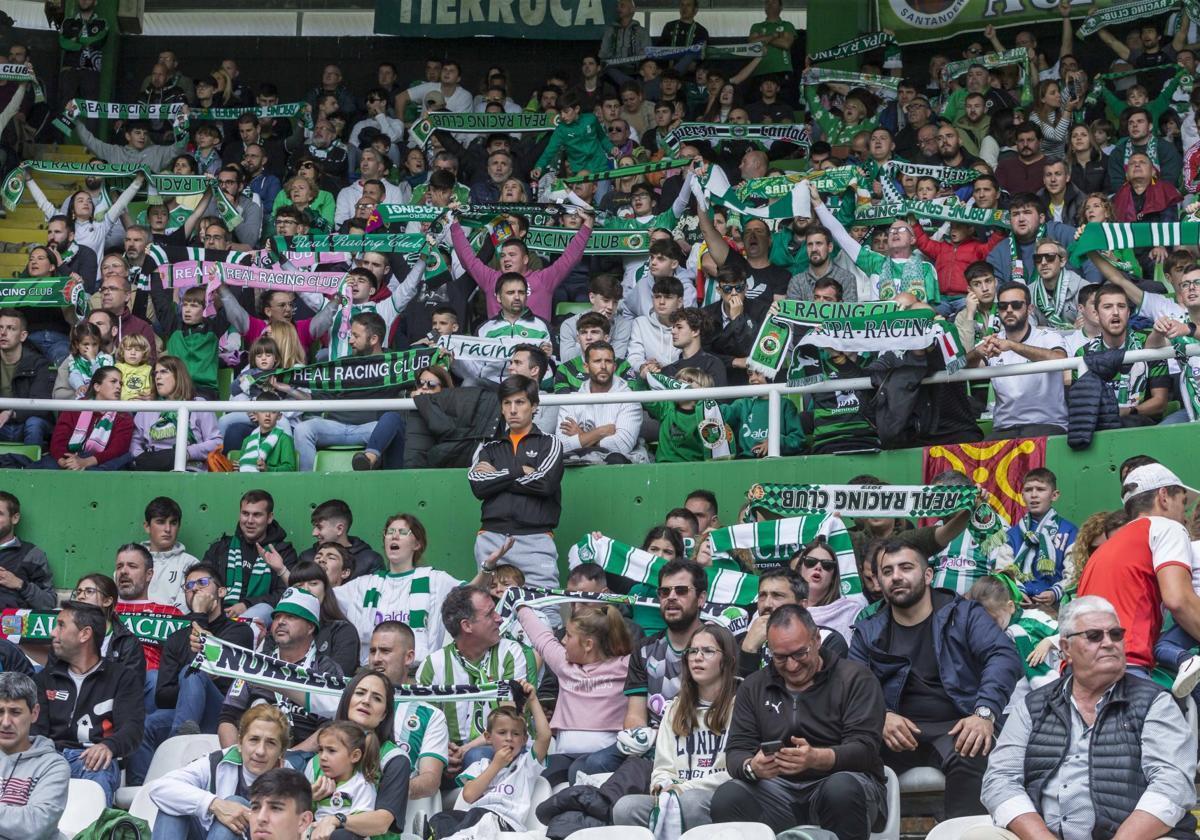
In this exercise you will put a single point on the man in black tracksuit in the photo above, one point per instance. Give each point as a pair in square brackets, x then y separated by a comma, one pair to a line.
[828, 720]
[99, 721]
[518, 479]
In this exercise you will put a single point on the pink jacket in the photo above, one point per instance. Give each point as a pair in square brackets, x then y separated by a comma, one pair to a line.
[541, 283]
[591, 698]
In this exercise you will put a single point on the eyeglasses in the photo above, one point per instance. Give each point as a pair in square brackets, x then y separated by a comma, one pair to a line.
[730, 289]
[193, 585]
[397, 532]
[702, 652]
[1045, 257]
[228, 182]
[1094, 637]
[1184, 285]
[1015, 305]
[797, 656]
[826, 564]
[429, 383]
[86, 591]
[678, 590]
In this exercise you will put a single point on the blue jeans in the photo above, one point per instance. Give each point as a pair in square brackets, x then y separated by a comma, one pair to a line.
[1175, 418]
[172, 827]
[234, 427]
[34, 431]
[318, 431]
[1173, 647]
[949, 307]
[603, 761]
[108, 779]
[199, 700]
[475, 753]
[387, 440]
[55, 346]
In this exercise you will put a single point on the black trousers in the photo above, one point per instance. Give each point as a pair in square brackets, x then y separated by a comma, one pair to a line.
[851, 805]
[449, 822]
[964, 775]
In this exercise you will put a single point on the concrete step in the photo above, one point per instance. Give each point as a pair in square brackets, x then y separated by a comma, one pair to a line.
[21, 234]
[24, 216]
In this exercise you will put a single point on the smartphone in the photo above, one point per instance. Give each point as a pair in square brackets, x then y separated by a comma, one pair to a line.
[771, 747]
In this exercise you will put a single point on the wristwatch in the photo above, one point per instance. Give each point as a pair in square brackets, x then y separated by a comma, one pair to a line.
[748, 770]
[985, 713]
[341, 818]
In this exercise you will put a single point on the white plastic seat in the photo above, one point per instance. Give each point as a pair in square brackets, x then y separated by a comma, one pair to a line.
[922, 780]
[730, 831]
[955, 828]
[420, 810]
[171, 754]
[85, 804]
[614, 832]
[891, 829]
[143, 806]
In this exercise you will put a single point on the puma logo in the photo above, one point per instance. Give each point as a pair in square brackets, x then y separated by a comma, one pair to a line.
[776, 707]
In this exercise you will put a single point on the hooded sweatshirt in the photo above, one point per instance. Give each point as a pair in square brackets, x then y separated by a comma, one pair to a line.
[33, 790]
[650, 339]
[166, 587]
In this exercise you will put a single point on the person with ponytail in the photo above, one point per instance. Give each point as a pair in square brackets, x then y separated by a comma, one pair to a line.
[344, 774]
[591, 663]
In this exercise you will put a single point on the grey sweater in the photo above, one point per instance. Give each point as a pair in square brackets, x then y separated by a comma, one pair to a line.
[35, 791]
[155, 157]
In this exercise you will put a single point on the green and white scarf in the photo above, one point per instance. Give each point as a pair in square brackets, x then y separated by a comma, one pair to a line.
[1189, 375]
[284, 110]
[55, 292]
[1097, 81]
[396, 370]
[479, 349]
[1108, 236]
[1051, 309]
[712, 430]
[855, 46]
[946, 175]
[726, 586]
[715, 188]
[1014, 253]
[771, 344]
[238, 586]
[880, 501]
[15, 73]
[258, 446]
[90, 109]
[36, 625]
[765, 133]
[970, 555]
[748, 50]
[943, 211]
[86, 367]
[1037, 545]
[991, 61]
[889, 332]
[790, 534]
[626, 171]
[471, 123]
[820, 75]
[601, 241]
[1151, 151]
[83, 442]
[775, 186]
[1123, 13]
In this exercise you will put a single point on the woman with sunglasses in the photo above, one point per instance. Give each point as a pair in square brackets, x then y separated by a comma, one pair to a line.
[818, 565]
[336, 637]
[406, 591]
[689, 751]
[433, 380]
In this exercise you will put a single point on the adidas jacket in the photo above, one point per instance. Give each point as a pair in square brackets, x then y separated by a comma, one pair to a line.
[513, 502]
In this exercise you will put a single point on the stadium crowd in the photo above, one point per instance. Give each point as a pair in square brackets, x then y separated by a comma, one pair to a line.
[673, 220]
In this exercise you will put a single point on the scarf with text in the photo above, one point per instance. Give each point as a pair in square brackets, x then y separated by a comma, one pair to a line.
[44, 291]
[991, 61]
[477, 349]
[706, 51]
[626, 171]
[393, 370]
[715, 188]
[1124, 13]
[774, 186]
[1107, 236]
[184, 275]
[725, 586]
[83, 442]
[35, 625]
[887, 85]
[600, 242]
[712, 430]
[765, 133]
[90, 109]
[16, 73]
[943, 211]
[771, 344]
[948, 176]
[524, 122]
[1037, 553]
[286, 110]
[731, 617]
[792, 533]
[219, 658]
[855, 46]
[889, 331]
[879, 501]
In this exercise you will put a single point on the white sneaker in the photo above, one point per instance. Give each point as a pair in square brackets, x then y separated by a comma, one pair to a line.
[1186, 677]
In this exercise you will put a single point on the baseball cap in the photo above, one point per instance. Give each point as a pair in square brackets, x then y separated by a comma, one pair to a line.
[1154, 477]
[434, 99]
[301, 604]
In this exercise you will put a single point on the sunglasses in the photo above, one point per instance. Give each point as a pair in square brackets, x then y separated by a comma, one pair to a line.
[1045, 257]
[811, 563]
[730, 289]
[1115, 634]
[678, 590]
[429, 383]
[1015, 305]
[193, 585]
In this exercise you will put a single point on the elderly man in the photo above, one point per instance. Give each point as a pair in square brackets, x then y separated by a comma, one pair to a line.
[1098, 753]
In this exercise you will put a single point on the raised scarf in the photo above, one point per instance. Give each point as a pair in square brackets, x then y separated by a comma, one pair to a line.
[712, 429]
[471, 123]
[393, 370]
[765, 133]
[1123, 13]
[991, 61]
[881, 501]
[790, 534]
[54, 292]
[771, 343]
[887, 85]
[855, 46]
[945, 211]
[1110, 236]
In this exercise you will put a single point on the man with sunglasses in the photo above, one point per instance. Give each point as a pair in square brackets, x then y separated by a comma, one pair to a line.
[1103, 752]
[735, 323]
[947, 672]
[1035, 404]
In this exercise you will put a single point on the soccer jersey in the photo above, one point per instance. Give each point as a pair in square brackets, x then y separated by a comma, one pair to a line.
[414, 598]
[420, 731]
[891, 277]
[510, 794]
[508, 660]
[976, 552]
[1133, 384]
[354, 796]
[655, 670]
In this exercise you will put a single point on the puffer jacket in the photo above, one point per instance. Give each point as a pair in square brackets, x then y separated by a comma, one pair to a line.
[448, 427]
[1091, 404]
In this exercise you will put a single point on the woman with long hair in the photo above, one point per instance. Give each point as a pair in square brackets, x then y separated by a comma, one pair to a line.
[49, 328]
[1098, 207]
[818, 565]
[1089, 164]
[92, 440]
[1093, 533]
[1052, 116]
[153, 444]
[120, 645]
[666, 543]
[337, 638]
[689, 751]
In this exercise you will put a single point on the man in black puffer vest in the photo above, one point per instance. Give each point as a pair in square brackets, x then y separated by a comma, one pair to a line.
[1097, 754]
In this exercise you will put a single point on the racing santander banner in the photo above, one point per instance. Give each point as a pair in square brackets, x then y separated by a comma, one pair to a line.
[548, 20]
[920, 21]
[887, 501]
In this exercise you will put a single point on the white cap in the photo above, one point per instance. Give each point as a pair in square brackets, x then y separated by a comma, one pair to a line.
[1154, 477]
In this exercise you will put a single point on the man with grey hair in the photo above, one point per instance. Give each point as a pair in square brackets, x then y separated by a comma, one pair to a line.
[1102, 752]
[33, 776]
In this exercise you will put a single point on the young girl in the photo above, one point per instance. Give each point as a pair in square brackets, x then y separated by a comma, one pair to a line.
[591, 663]
[689, 752]
[86, 357]
[679, 423]
[344, 771]
[133, 360]
[265, 354]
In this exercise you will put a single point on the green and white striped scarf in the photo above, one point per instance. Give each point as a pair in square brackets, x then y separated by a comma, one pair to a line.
[991, 61]
[258, 446]
[779, 539]
[524, 122]
[726, 586]
[1108, 236]
[90, 109]
[774, 336]
[970, 555]
[775, 186]
[1027, 629]
[716, 188]
[765, 133]
[950, 210]
[1189, 375]
[624, 172]
[239, 587]
[1123, 13]
[95, 441]
[1051, 309]
[889, 85]
[712, 429]
[855, 46]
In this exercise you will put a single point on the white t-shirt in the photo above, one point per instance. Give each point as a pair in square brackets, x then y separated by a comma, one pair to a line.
[460, 101]
[1075, 340]
[510, 794]
[1035, 397]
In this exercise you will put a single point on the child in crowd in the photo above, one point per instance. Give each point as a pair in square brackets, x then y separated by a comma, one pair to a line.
[502, 785]
[502, 578]
[580, 137]
[679, 423]
[265, 355]
[86, 357]
[1041, 540]
[591, 663]
[268, 448]
[747, 419]
[192, 337]
[133, 360]
[1000, 595]
[345, 769]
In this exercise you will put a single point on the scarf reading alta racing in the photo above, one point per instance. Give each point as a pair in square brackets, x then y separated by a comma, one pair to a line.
[889, 332]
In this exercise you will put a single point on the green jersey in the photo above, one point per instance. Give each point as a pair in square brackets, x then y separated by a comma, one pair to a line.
[775, 59]
[978, 551]
[1134, 383]
[891, 276]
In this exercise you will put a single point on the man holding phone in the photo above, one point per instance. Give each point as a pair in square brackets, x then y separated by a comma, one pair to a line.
[805, 739]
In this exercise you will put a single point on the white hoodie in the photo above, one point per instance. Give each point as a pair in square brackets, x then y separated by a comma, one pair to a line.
[627, 417]
[166, 587]
[648, 340]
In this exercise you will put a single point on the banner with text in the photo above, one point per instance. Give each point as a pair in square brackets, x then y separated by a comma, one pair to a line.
[549, 20]
[920, 21]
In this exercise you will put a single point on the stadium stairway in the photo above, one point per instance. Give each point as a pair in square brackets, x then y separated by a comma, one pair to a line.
[25, 225]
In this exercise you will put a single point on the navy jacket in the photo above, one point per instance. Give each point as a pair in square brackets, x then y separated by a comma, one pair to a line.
[978, 663]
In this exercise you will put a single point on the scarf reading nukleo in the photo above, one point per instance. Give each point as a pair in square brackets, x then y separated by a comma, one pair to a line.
[791, 534]
[765, 133]
[878, 501]
[771, 344]
[219, 658]
[476, 349]
[1106, 236]
[44, 291]
[896, 331]
[712, 429]
[35, 625]
[855, 46]
[397, 370]
[524, 122]
[1123, 13]
[943, 211]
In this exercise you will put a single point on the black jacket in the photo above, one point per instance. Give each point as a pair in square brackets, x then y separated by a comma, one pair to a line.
[1092, 176]
[449, 426]
[32, 379]
[366, 559]
[338, 640]
[704, 361]
[513, 502]
[177, 654]
[736, 339]
[275, 535]
[13, 659]
[843, 710]
[1073, 200]
[29, 563]
[1091, 404]
[111, 702]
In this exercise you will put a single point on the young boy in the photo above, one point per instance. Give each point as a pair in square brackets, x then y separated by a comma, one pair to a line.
[267, 448]
[747, 417]
[137, 377]
[171, 560]
[331, 523]
[503, 784]
[570, 375]
[1041, 540]
[192, 337]
[679, 423]
[361, 283]
[581, 136]
[650, 341]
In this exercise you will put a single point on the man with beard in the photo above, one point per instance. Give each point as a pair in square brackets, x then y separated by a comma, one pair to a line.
[132, 572]
[1013, 256]
[764, 279]
[76, 257]
[250, 133]
[777, 587]
[822, 263]
[608, 431]
[950, 148]
[263, 182]
[1022, 172]
[254, 560]
[1033, 405]
[947, 672]
[973, 127]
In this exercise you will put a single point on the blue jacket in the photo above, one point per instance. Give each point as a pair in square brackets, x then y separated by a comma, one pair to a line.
[1000, 257]
[978, 663]
[1040, 582]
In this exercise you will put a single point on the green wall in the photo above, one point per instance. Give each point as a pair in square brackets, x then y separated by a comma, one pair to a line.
[80, 519]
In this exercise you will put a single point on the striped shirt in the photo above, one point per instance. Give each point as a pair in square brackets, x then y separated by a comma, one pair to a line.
[508, 660]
